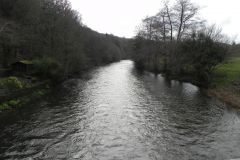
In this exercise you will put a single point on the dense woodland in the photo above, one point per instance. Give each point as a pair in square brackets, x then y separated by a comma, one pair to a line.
[51, 34]
[178, 43]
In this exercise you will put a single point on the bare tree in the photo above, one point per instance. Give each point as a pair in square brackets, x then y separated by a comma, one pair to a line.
[169, 15]
[148, 21]
[148, 28]
[184, 16]
[160, 24]
[215, 33]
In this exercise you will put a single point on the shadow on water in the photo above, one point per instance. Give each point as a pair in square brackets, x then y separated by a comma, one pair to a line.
[120, 113]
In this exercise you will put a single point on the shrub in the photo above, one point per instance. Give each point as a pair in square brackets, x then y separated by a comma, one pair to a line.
[10, 104]
[11, 83]
[4, 106]
[47, 67]
[14, 103]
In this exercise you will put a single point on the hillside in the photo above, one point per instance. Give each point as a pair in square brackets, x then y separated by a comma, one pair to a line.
[46, 29]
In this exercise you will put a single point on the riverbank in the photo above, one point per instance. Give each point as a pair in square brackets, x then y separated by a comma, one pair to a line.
[226, 95]
[18, 91]
[226, 82]
[185, 76]
[23, 100]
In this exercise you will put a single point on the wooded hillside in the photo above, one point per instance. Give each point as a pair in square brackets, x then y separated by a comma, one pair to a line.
[51, 29]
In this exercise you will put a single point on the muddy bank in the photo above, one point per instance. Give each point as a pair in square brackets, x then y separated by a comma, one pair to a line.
[227, 95]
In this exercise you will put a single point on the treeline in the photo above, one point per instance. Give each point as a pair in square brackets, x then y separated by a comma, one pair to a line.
[179, 44]
[51, 33]
[235, 50]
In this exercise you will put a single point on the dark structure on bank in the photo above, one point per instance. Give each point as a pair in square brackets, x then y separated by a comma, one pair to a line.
[23, 66]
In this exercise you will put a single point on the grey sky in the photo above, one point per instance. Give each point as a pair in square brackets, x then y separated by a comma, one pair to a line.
[120, 17]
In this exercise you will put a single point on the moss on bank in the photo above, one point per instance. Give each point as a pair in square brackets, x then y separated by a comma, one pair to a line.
[21, 101]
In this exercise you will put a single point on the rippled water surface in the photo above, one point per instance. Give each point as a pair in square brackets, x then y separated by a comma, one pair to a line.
[116, 113]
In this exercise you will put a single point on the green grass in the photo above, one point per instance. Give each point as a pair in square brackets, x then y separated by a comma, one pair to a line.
[227, 73]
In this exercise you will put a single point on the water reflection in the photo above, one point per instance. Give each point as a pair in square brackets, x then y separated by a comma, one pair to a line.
[118, 113]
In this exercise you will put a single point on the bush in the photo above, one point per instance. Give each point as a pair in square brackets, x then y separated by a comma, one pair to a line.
[4, 106]
[11, 83]
[10, 104]
[47, 67]
[203, 54]
[14, 103]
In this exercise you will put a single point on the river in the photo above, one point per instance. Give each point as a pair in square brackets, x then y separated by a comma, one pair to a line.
[117, 113]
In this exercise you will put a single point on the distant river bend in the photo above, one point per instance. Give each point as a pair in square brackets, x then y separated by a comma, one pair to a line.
[117, 113]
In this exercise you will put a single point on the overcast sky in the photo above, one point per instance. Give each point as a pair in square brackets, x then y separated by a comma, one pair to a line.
[120, 17]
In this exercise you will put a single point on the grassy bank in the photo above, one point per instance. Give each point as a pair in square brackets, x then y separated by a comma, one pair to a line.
[227, 73]
[226, 82]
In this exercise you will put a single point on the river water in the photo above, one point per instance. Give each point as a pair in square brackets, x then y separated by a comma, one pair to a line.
[117, 113]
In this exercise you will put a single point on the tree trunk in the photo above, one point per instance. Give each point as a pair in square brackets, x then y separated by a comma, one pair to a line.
[180, 24]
